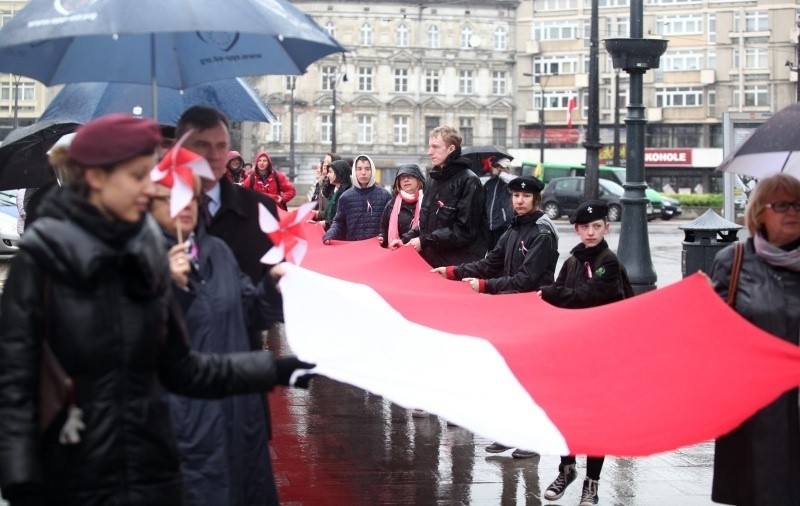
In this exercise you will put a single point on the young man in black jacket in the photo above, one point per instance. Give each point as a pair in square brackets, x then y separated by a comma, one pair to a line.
[452, 228]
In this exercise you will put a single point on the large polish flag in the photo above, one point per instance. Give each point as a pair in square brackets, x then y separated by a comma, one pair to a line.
[662, 370]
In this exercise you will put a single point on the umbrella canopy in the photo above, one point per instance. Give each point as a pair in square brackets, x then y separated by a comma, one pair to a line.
[772, 148]
[81, 102]
[180, 43]
[482, 157]
[23, 154]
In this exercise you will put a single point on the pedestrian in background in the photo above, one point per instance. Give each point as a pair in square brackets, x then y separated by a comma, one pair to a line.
[323, 189]
[402, 214]
[453, 227]
[92, 281]
[339, 179]
[497, 199]
[591, 277]
[359, 211]
[759, 461]
[234, 168]
[270, 181]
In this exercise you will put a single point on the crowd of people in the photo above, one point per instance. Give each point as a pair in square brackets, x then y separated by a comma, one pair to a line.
[159, 319]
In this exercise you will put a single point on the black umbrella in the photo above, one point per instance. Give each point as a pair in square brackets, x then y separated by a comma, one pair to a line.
[23, 154]
[482, 157]
[772, 148]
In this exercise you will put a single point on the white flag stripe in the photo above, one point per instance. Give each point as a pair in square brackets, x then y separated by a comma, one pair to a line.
[365, 342]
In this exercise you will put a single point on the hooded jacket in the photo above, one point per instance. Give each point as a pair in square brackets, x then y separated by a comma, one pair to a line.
[342, 170]
[236, 177]
[453, 226]
[116, 330]
[272, 183]
[359, 210]
[405, 216]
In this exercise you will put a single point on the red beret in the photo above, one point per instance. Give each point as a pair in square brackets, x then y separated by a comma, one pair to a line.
[112, 139]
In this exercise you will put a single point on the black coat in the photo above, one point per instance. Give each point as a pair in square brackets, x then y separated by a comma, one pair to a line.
[452, 225]
[524, 259]
[404, 219]
[759, 461]
[117, 331]
[575, 289]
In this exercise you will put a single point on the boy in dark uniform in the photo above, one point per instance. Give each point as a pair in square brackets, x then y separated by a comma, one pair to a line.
[592, 276]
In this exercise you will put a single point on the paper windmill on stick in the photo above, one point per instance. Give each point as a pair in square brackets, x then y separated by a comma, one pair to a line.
[287, 234]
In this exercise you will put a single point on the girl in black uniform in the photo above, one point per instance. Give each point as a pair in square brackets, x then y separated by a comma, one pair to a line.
[592, 276]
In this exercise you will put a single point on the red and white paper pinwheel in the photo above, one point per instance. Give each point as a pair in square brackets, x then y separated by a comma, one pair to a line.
[176, 171]
[287, 235]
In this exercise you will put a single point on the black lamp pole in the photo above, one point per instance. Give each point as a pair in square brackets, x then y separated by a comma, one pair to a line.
[292, 169]
[635, 55]
[592, 142]
[616, 119]
[333, 120]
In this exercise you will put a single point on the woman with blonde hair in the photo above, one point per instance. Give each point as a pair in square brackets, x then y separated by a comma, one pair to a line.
[759, 461]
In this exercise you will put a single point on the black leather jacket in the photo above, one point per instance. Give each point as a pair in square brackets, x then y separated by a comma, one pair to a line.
[452, 224]
[115, 329]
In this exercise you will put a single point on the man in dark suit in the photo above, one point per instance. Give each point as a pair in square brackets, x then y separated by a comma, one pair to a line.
[232, 210]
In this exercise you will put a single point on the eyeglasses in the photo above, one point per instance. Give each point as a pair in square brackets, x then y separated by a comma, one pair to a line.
[783, 206]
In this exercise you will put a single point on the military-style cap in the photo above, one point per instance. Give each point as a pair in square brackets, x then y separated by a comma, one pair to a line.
[527, 184]
[588, 212]
[113, 139]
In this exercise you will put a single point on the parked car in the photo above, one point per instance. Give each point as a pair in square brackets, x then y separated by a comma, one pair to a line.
[563, 195]
[8, 203]
[9, 238]
[670, 208]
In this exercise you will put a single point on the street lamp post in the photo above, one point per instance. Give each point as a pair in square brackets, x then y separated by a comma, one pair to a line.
[343, 78]
[292, 166]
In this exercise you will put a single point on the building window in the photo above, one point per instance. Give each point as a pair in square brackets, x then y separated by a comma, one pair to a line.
[402, 36]
[290, 82]
[554, 5]
[499, 131]
[623, 26]
[326, 127]
[679, 96]
[554, 65]
[674, 136]
[366, 35]
[275, 130]
[433, 37]
[756, 21]
[432, 122]
[401, 129]
[328, 77]
[612, 3]
[27, 91]
[364, 129]
[500, 39]
[466, 34]
[465, 81]
[682, 60]
[499, 82]
[401, 80]
[754, 58]
[755, 95]
[364, 78]
[555, 30]
[712, 28]
[679, 25]
[465, 129]
[330, 29]
[432, 81]
[553, 99]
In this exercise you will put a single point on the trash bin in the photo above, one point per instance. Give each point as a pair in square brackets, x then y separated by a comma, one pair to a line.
[705, 236]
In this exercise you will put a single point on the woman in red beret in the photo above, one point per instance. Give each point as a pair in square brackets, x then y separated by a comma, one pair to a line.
[91, 280]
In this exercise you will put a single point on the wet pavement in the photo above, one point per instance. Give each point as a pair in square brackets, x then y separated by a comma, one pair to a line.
[337, 444]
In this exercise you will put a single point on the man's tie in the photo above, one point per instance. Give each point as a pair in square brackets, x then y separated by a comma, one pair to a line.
[205, 213]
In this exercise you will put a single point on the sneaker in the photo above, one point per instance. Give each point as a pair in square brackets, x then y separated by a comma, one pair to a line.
[562, 481]
[523, 454]
[419, 413]
[497, 448]
[589, 494]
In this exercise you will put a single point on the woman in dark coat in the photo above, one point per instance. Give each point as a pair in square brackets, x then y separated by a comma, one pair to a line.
[759, 461]
[222, 442]
[339, 178]
[114, 326]
[402, 213]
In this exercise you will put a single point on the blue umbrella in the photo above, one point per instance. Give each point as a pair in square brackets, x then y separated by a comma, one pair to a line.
[170, 43]
[81, 102]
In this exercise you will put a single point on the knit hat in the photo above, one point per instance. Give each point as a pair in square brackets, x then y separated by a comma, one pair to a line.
[113, 139]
